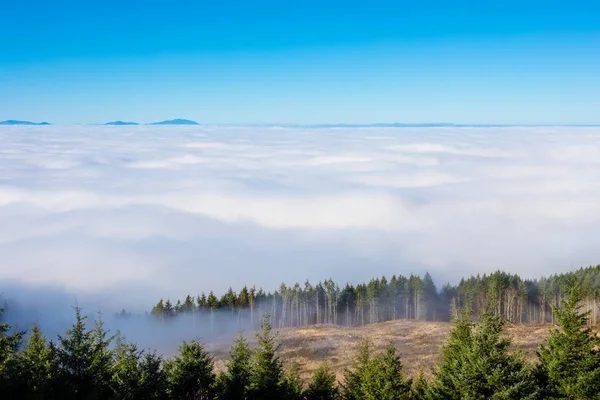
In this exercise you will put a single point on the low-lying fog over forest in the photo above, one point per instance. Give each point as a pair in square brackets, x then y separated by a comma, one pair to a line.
[119, 217]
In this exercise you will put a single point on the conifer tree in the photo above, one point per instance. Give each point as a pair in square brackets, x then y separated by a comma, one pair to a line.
[355, 375]
[153, 379]
[322, 385]
[190, 374]
[384, 379]
[266, 374]
[293, 388]
[102, 357]
[232, 384]
[9, 366]
[126, 371]
[476, 364]
[570, 360]
[83, 361]
[37, 366]
[419, 387]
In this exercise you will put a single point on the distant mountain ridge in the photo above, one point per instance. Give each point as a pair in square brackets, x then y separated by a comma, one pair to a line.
[177, 121]
[16, 122]
[121, 123]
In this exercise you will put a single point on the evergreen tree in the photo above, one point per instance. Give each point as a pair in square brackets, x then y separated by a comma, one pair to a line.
[83, 361]
[419, 387]
[232, 384]
[570, 360]
[383, 378]
[266, 374]
[476, 364]
[9, 365]
[293, 388]
[322, 386]
[153, 379]
[190, 374]
[102, 358]
[37, 366]
[136, 374]
[356, 374]
[126, 371]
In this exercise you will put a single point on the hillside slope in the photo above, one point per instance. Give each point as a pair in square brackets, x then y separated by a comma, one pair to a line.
[419, 343]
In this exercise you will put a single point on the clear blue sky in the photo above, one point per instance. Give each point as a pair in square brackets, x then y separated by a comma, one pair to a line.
[303, 61]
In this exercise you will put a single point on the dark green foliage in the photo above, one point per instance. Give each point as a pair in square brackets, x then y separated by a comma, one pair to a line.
[153, 379]
[9, 363]
[323, 386]
[37, 367]
[292, 386]
[266, 374]
[190, 374]
[476, 364]
[232, 384]
[136, 374]
[570, 359]
[376, 376]
[83, 361]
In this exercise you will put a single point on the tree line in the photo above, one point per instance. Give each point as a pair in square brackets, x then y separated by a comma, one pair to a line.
[515, 299]
[476, 362]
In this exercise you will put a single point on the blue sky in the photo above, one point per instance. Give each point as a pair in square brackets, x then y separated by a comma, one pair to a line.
[306, 62]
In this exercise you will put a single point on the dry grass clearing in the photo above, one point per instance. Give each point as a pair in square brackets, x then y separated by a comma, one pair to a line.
[419, 343]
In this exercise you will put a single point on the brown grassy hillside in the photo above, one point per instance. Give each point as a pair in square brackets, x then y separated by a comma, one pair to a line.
[419, 343]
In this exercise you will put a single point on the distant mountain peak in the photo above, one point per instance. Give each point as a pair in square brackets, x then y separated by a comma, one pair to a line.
[120, 123]
[177, 121]
[16, 122]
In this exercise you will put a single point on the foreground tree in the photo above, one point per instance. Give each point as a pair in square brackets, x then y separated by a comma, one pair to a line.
[136, 374]
[233, 383]
[190, 374]
[37, 366]
[293, 388]
[266, 376]
[570, 360]
[84, 361]
[378, 377]
[323, 386]
[9, 367]
[476, 364]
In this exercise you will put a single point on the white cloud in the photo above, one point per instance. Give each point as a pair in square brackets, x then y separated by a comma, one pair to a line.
[175, 210]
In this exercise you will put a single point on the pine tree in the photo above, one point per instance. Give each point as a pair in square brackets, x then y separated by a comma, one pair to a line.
[136, 374]
[266, 374]
[322, 385]
[37, 366]
[153, 379]
[570, 360]
[476, 364]
[232, 384]
[190, 374]
[293, 388]
[419, 387]
[355, 375]
[126, 371]
[102, 358]
[83, 361]
[384, 379]
[9, 365]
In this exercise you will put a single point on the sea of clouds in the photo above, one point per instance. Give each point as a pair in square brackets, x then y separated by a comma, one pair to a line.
[122, 216]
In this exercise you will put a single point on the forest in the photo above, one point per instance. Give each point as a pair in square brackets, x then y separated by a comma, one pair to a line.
[515, 300]
[477, 362]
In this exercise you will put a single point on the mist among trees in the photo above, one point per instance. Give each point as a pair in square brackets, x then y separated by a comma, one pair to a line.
[88, 361]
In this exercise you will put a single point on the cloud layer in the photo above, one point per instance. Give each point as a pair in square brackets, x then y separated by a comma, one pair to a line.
[128, 214]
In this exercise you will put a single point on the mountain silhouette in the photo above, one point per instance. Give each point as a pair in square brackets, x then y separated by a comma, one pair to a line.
[120, 123]
[176, 122]
[15, 122]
